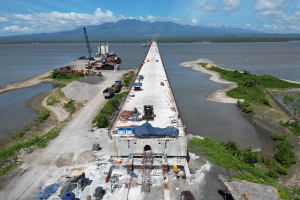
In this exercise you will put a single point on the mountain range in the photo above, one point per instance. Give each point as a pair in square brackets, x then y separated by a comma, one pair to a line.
[132, 29]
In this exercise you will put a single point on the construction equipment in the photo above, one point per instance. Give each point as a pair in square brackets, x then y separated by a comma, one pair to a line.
[148, 113]
[88, 65]
[91, 57]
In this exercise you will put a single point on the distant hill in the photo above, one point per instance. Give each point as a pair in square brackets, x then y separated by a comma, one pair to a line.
[132, 29]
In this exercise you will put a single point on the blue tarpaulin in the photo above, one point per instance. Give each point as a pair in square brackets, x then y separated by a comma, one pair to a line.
[47, 192]
[148, 130]
[137, 85]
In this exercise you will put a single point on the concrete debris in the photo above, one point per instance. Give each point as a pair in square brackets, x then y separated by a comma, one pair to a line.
[80, 91]
[19, 156]
[190, 136]
[242, 190]
[199, 176]
[193, 156]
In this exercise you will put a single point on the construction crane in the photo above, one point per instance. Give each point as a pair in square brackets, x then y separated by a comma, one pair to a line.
[88, 45]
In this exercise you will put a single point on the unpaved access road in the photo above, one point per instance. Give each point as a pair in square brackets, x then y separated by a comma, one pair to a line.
[42, 166]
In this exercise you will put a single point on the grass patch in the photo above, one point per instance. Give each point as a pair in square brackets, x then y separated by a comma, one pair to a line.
[43, 116]
[60, 93]
[52, 100]
[62, 86]
[223, 157]
[288, 99]
[20, 133]
[102, 118]
[66, 77]
[227, 155]
[251, 87]
[274, 114]
[40, 141]
[293, 126]
[56, 96]
[126, 80]
[27, 128]
[5, 169]
[245, 106]
[70, 106]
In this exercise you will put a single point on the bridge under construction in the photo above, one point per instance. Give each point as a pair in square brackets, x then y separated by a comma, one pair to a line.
[149, 132]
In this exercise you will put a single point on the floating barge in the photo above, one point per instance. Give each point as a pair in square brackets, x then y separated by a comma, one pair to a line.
[149, 132]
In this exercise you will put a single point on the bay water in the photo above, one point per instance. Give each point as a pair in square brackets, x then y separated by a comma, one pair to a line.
[219, 121]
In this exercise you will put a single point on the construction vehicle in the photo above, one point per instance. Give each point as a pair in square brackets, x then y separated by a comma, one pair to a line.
[88, 65]
[148, 113]
[108, 92]
[91, 57]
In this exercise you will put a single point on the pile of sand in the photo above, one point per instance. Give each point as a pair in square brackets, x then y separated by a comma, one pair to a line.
[79, 91]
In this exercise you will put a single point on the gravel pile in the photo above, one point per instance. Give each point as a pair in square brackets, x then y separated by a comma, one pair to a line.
[79, 91]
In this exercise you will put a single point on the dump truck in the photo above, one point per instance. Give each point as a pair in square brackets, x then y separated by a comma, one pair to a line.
[117, 86]
[108, 92]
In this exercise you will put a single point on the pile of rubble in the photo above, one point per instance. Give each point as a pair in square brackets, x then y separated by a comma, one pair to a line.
[19, 156]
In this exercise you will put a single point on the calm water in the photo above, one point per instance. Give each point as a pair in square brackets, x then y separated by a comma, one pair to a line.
[14, 114]
[219, 121]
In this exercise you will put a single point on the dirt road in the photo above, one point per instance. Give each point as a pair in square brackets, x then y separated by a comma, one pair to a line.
[75, 141]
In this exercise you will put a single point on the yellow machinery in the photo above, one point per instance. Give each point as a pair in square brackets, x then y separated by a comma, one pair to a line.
[175, 168]
[88, 65]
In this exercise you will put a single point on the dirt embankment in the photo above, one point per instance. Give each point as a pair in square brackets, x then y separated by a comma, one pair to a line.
[29, 82]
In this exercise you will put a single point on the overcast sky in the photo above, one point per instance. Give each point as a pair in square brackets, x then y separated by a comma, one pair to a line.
[36, 16]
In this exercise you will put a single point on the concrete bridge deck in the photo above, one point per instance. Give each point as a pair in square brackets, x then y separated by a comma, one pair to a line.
[152, 93]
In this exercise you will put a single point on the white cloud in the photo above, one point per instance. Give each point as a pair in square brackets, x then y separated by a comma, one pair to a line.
[230, 5]
[270, 5]
[208, 5]
[30, 11]
[152, 18]
[225, 25]
[57, 21]
[16, 28]
[271, 28]
[17, 22]
[3, 19]
[298, 7]
[283, 22]
[194, 21]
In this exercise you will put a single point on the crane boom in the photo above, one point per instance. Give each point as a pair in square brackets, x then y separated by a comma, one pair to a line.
[87, 43]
